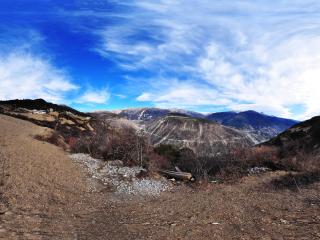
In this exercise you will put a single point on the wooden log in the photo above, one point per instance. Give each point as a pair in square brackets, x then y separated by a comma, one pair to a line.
[177, 175]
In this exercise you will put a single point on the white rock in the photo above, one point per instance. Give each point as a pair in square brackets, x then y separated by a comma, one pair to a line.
[123, 179]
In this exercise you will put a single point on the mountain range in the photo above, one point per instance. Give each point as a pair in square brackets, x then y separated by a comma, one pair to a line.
[258, 126]
[147, 114]
[185, 129]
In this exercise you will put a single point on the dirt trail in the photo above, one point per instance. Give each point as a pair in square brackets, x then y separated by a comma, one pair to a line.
[50, 198]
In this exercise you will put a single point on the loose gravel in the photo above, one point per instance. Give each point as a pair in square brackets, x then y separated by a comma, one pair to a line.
[258, 170]
[123, 180]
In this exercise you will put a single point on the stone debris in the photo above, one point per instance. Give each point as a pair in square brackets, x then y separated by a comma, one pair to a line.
[122, 179]
[215, 223]
[258, 170]
[283, 221]
[143, 187]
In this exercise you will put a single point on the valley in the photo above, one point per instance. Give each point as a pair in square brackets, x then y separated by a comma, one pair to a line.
[48, 191]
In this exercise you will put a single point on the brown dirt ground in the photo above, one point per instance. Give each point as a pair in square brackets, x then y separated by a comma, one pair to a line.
[47, 196]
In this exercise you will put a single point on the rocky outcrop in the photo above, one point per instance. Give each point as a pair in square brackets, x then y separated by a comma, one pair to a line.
[302, 137]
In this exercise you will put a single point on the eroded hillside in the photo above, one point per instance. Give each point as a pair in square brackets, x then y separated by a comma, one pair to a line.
[202, 136]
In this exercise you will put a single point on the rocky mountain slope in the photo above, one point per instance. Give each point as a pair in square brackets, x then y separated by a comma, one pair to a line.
[180, 130]
[302, 137]
[202, 136]
[66, 122]
[37, 104]
[260, 126]
[114, 120]
[147, 114]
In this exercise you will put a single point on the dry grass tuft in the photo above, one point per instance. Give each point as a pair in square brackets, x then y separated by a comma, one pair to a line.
[54, 138]
[4, 173]
[296, 181]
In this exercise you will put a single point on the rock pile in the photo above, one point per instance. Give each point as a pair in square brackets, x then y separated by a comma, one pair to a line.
[122, 179]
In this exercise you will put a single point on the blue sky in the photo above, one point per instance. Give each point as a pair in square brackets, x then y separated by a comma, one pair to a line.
[204, 55]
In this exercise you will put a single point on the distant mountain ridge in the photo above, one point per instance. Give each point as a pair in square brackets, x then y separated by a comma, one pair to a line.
[261, 126]
[250, 117]
[148, 114]
[255, 126]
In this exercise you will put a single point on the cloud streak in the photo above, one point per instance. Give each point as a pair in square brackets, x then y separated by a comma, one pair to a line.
[94, 97]
[204, 55]
[27, 71]
[23, 75]
[247, 54]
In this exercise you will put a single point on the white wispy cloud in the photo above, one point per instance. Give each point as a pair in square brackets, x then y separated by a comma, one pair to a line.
[182, 94]
[94, 97]
[237, 54]
[27, 70]
[23, 75]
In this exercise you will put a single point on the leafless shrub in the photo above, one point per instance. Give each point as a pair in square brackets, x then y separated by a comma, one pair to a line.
[157, 162]
[127, 145]
[282, 158]
[264, 156]
[112, 143]
[302, 162]
[54, 138]
[230, 162]
[187, 160]
[296, 181]
[81, 144]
